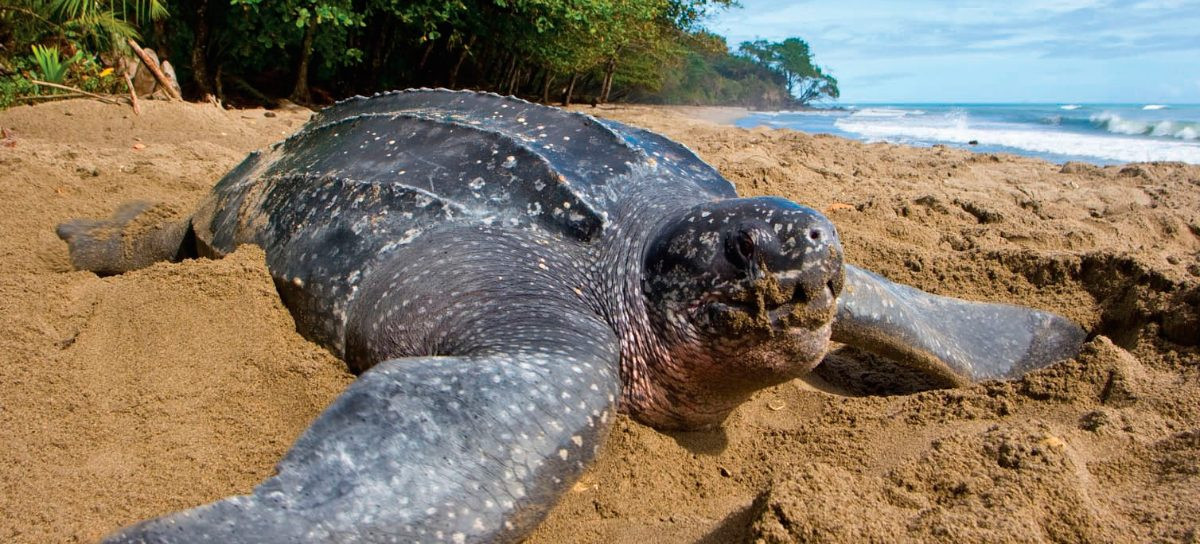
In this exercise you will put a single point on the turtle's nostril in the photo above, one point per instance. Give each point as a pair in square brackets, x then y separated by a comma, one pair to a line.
[745, 243]
[800, 295]
[815, 234]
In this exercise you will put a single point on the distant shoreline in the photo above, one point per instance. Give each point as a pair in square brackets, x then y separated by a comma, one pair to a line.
[720, 115]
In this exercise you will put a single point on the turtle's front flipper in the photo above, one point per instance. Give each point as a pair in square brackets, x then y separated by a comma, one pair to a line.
[958, 340]
[137, 235]
[429, 449]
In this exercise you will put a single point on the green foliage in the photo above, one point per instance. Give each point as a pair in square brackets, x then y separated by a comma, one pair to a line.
[648, 67]
[22, 24]
[263, 30]
[425, 17]
[53, 29]
[138, 10]
[103, 25]
[650, 50]
[792, 60]
[50, 66]
[14, 85]
[708, 75]
[92, 76]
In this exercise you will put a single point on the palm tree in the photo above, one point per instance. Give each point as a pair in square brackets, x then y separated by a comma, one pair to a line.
[103, 25]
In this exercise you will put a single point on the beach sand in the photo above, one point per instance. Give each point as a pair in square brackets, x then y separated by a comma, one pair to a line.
[126, 397]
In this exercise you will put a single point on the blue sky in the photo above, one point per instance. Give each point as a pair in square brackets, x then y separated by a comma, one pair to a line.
[1145, 51]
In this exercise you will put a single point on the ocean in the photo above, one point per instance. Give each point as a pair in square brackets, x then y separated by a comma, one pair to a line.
[1094, 133]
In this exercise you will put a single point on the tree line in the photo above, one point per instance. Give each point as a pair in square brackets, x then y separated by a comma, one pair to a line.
[315, 51]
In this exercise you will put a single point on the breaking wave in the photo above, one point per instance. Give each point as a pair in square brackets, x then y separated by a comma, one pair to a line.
[957, 129]
[885, 112]
[1101, 133]
[1183, 130]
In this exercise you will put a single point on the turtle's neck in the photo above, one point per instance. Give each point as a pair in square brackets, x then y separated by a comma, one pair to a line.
[654, 380]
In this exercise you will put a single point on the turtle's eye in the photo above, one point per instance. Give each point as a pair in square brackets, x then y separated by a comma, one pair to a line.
[740, 249]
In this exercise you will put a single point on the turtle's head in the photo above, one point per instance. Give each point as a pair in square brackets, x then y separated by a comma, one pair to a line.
[741, 294]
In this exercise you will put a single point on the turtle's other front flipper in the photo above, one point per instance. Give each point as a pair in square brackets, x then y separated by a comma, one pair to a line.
[469, 448]
[137, 235]
[955, 339]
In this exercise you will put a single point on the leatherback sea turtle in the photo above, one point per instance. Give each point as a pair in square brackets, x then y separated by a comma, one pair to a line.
[506, 277]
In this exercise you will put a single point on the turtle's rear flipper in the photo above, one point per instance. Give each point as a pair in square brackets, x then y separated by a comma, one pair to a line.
[954, 339]
[137, 235]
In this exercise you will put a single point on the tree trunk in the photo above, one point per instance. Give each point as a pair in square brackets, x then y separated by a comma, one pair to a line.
[570, 90]
[585, 82]
[200, 50]
[492, 67]
[606, 87]
[512, 65]
[528, 76]
[425, 55]
[483, 59]
[160, 39]
[547, 80]
[249, 89]
[462, 57]
[514, 83]
[218, 85]
[374, 65]
[300, 94]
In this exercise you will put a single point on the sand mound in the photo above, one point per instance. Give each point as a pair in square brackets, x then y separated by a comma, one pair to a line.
[125, 397]
[1015, 481]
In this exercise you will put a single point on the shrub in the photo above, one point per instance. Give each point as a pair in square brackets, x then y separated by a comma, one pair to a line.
[50, 66]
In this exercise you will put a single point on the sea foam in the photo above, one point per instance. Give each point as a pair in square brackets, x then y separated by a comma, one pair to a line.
[958, 131]
[885, 112]
[1103, 134]
[1184, 130]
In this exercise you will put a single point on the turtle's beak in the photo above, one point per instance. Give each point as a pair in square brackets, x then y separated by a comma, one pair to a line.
[812, 297]
[804, 298]
[811, 305]
[801, 253]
